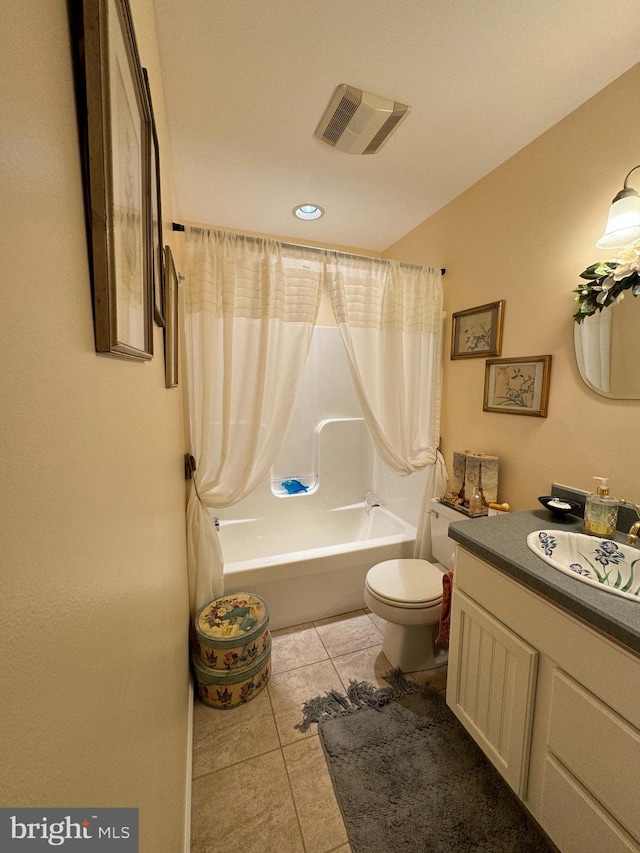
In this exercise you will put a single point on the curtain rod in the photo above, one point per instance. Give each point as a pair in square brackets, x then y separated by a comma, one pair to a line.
[176, 226]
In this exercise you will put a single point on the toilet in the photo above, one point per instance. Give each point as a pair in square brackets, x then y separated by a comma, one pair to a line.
[408, 595]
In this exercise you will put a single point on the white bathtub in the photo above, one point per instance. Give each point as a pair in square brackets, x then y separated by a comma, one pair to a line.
[309, 564]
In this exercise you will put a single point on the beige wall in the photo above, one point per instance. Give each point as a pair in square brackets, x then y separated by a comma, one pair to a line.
[524, 234]
[94, 614]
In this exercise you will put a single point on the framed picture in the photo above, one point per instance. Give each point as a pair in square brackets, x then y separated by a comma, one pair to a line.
[157, 249]
[117, 171]
[517, 386]
[171, 322]
[477, 332]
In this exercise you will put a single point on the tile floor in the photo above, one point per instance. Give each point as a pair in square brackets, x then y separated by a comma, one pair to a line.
[261, 786]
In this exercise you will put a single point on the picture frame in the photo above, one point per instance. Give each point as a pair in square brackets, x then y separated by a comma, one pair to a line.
[517, 386]
[117, 148]
[171, 321]
[477, 332]
[157, 248]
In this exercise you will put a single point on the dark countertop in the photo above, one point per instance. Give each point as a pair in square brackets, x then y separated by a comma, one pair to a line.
[502, 541]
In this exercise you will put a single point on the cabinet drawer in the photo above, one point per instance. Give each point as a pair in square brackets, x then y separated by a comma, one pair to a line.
[574, 821]
[598, 746]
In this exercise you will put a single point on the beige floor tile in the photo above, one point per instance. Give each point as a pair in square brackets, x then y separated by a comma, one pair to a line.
[436, 677]
[378, 621]
[297, 646]
[289, 690]
[363, 665]
[348, 633]
[221, 738]
[246, 807]
[318, 810]
[345, 848]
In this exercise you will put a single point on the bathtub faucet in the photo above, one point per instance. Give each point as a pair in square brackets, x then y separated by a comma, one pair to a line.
[370, 500]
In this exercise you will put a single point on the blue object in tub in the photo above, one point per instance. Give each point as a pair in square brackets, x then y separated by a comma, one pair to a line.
[293, 487]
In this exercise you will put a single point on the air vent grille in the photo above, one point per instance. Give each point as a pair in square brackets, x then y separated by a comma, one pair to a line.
[359, 122]
[399, 111]
[345, 111]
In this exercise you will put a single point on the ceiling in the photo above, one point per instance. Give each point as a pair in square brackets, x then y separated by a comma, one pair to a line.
[247, 81]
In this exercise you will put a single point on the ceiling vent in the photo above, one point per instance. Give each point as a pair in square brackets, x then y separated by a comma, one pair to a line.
[358, 122]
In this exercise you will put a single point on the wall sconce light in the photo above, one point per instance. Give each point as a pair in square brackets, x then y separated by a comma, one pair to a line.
[623, 224]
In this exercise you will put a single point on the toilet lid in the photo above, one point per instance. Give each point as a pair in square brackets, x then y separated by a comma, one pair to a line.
[406, 581]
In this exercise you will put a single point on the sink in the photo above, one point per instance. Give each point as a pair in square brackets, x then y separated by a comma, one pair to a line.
[603, 563]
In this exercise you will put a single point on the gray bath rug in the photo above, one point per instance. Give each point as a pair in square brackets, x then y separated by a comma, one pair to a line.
[408, 777]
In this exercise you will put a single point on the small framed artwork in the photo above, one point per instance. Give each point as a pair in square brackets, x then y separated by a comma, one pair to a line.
[171, 321]
[157, 249]
[118, 138]
[477, 332]
[517, 386]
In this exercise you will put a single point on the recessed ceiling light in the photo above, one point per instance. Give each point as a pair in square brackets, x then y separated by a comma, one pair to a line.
[308, 211]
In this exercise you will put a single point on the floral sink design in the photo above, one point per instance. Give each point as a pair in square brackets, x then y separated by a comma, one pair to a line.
[609, 565]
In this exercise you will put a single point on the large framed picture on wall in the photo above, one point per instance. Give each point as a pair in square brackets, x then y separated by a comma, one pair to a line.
[115, 124]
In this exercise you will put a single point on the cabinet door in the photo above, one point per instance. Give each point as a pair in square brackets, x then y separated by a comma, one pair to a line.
[491, 687]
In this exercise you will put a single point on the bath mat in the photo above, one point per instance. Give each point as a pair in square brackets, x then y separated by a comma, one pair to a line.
[408, 777]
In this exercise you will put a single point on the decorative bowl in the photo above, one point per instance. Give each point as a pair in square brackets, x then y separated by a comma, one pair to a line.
[559, 507]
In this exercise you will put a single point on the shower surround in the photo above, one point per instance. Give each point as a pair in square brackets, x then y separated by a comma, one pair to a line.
[307, 554]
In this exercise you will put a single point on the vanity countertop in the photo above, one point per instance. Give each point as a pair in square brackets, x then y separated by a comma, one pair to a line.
[502, 541]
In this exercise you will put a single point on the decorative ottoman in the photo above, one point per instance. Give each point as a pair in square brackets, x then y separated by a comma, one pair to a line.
[232, 650]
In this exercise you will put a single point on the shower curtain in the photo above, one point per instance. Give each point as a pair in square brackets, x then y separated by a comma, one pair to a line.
[250, 306]
[390, 317]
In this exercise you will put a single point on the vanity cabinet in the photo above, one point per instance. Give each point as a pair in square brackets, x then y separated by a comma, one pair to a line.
[554, 704]
[491, 687]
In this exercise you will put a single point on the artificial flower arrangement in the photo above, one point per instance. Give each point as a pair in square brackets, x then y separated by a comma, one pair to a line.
[607, 281]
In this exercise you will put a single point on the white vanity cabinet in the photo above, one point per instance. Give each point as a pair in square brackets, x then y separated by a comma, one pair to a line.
[553, 703]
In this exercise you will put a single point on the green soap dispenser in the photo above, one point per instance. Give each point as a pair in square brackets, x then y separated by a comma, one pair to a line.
[601, 512]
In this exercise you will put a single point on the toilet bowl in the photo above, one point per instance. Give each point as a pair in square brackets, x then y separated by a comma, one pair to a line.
[408, 595]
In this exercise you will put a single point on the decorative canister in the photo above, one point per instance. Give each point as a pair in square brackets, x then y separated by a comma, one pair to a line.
[232, 650]
[225, 690]
[232, 632]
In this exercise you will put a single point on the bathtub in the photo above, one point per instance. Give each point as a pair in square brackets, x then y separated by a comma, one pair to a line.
[309, 564]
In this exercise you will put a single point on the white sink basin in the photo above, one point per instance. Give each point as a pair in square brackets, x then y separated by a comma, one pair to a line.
[608, 565]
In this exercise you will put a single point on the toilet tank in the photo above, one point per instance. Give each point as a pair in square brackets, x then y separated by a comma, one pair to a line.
[441, 545]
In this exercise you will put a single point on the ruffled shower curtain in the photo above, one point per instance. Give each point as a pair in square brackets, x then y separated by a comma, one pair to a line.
[390, 318]
[250, 306]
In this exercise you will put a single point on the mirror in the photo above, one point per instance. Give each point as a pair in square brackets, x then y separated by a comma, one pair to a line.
[607, 346]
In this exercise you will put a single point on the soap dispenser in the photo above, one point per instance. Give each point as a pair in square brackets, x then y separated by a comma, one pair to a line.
[601, 512]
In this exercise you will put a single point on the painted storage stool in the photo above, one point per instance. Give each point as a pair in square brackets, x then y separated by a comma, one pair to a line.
[232, 650]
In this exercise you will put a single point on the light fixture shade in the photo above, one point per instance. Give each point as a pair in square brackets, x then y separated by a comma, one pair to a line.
[623, 224]
[308, 211]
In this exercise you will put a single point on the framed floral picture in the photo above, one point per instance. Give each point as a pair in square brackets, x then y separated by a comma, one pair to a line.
[171, 321]
[115, 124]
[477, 332]
[517, 386]
[157, 248]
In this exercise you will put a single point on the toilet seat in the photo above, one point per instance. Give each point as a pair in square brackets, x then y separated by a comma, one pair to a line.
[405, 583]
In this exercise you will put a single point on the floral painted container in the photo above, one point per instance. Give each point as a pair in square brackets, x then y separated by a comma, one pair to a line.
[232, 633]
[226, 690]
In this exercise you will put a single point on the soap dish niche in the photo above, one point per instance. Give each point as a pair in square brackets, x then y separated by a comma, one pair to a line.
[293, 487]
